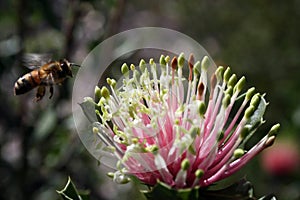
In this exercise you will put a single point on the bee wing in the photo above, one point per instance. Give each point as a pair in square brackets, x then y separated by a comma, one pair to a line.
[33, 60]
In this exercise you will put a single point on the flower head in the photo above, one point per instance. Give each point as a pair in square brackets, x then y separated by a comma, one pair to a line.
[182, 132]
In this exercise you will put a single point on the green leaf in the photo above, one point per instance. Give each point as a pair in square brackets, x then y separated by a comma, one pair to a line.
[71, 193]
[241, 190]
[163, 191]
[88, 108]
[268, 197]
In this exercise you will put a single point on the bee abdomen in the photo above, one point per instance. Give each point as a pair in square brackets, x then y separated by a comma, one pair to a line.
[27, 82]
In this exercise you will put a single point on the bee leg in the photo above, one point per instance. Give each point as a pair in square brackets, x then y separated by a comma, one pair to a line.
[51, 92]
[40, 93]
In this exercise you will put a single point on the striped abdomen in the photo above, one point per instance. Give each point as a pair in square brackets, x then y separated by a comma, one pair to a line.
[27, 82]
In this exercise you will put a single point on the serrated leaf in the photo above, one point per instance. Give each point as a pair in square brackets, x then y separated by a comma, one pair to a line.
[241, 190]
[70, 192]
[85, 195]
[268, 197]
[88, 108]
[160, 191]
[163, 191]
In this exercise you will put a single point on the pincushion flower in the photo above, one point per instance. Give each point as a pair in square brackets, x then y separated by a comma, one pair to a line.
[183, 132]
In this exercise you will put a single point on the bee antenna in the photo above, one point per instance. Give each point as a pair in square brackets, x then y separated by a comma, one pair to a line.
[74, 64]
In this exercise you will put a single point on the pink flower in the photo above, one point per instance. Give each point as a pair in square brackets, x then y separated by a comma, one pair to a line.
[182, 132]
[282, 159]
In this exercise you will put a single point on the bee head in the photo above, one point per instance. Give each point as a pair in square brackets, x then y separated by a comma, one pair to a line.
[66, 67]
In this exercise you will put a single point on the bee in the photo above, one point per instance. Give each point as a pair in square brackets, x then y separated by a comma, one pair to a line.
[44, 73]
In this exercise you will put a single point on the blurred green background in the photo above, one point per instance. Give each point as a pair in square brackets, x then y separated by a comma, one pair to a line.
[38, 141]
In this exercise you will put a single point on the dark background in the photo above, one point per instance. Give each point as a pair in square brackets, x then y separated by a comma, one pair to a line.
[38, 141]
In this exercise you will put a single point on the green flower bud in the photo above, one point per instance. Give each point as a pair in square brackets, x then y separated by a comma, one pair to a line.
[255, 100]
[111, 82]
[124, 69]
[167, 59]
[105, 92]
[238, 153]
[151, 61]
[274, 130]
[185, 164]
[110, 174]
[201, 108]
[226, 100]
[153, 149]
[132, 67]
[142, 65]
[162, 60]
[205, 63]
[249, 112]
[134, 140]
[245, 131]
[197, 68]
[229, 90]
[227, 74]
[194, 131]
[97, 92]
[199, 173]
[232, 80]
[240, 84]
[250, 93]
[219, 72]
[181, 60]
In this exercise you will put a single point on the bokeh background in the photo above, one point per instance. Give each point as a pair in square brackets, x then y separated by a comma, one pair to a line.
[38, 141]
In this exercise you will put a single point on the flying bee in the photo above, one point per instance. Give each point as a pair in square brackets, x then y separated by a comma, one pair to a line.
[44, 73]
